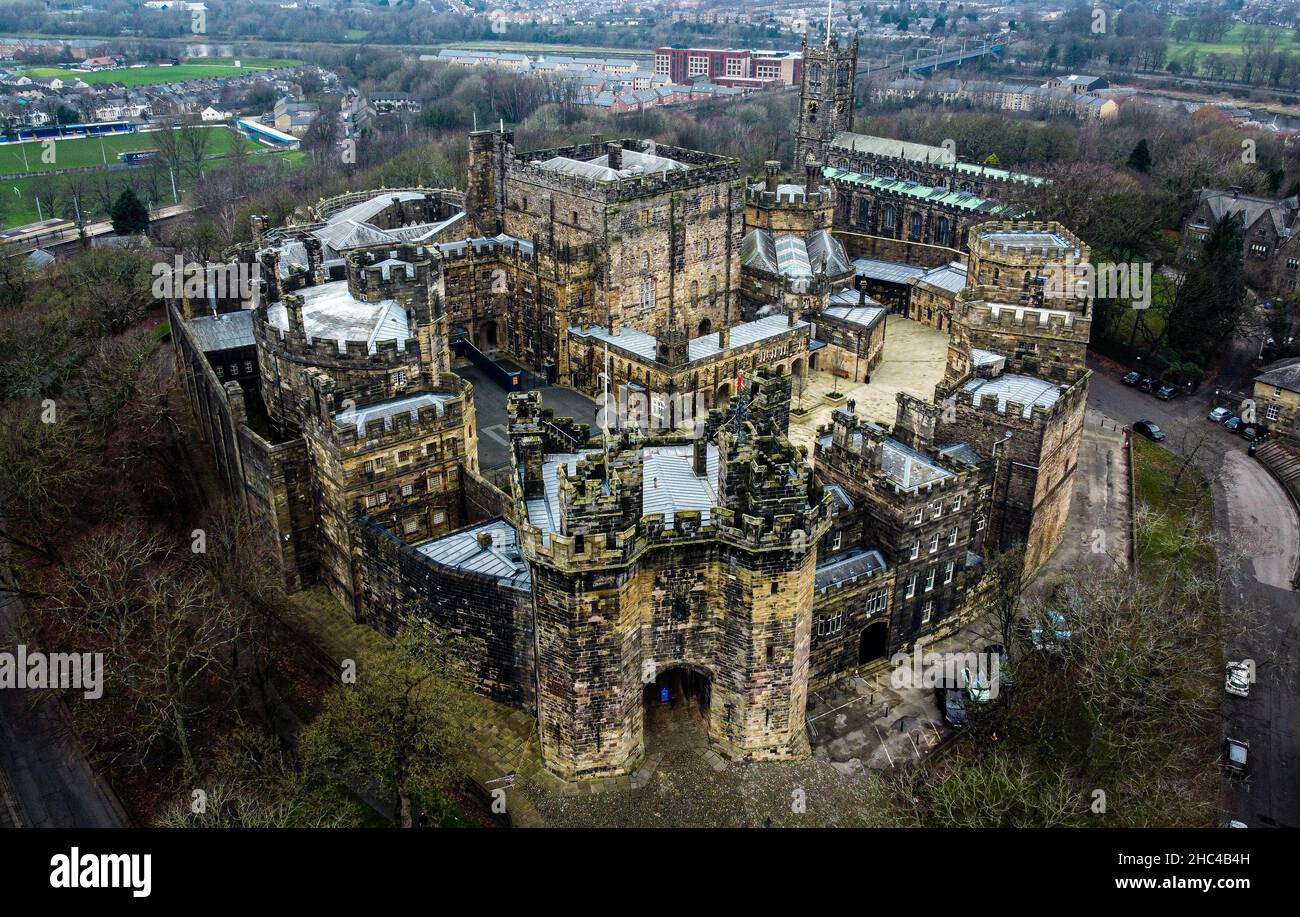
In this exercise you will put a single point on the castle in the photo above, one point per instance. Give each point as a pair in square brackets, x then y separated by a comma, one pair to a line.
[688, 541]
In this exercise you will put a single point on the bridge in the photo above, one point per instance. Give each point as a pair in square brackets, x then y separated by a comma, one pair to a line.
[921, 62]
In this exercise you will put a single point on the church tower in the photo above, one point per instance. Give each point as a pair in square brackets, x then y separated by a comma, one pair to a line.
[826, 95]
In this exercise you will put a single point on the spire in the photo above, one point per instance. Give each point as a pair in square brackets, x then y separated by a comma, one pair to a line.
[829, 5]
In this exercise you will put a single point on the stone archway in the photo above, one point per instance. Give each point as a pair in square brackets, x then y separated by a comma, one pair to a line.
[874, 643]
[705, 327]
[796, 368]
[676, 707]
[487, 336]
[724, 395]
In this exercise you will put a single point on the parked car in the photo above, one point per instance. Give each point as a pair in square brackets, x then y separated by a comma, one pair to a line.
[1236, 756]
[1219, 415]
[1237, 680]
[1148, 429]
[1236, 823]
[1132, 378]
[1166, 392]
[1006, 677]
[1252, 431]
[1233, 423]
[1048, 633]
[1149, 384]
[977, 685]
[952, 704]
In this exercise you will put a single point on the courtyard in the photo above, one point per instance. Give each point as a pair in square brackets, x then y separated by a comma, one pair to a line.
[913, 362]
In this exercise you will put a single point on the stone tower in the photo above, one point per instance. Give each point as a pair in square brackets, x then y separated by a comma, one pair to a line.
[1016, 383]
[826, 95]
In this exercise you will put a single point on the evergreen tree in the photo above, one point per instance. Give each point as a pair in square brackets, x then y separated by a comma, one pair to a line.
[1140, 158]
[129, 214]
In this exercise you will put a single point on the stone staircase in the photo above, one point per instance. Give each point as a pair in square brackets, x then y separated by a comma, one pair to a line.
[1283, 461]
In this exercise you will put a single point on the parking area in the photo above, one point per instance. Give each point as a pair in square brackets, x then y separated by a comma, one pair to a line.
[490, 406]
[868, 722]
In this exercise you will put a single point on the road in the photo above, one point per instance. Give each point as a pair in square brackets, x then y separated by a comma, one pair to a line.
[50, 783]
[1261, 612]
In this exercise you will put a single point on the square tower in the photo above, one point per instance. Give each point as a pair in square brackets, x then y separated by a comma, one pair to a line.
[825, 97]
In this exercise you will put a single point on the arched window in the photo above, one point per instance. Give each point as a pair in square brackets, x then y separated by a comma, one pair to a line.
[944, 231]
[695, 292]
[1024, 284]
[815, 76]
[891, 216]
[916, 226]
[645, 262]
[648, 293]
[864, 212]
[713, 287]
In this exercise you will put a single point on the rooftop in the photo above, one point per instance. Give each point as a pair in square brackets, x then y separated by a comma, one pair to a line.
[669, 482]
[499, 558]
[848, 567]
[226, 331]
[634, 164]
[330, 311]
[886, 271]
[643, 345]
[387, 410]
[1283, 374]
[1027, 391]
[950, 277]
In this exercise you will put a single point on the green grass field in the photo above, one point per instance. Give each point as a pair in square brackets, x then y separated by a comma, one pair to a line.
[93, 151]
[18, 207]
[1231, 44]
[148, 76]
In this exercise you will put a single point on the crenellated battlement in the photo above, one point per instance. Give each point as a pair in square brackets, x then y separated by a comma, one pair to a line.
[977, 311]
[1038, 415]
[335, 417]
[355, 354]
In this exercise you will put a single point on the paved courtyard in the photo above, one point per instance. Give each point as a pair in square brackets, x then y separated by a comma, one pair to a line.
[913, 362]
[490, 408]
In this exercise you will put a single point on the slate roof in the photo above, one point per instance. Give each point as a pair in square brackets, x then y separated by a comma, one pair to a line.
[669, 482]
[387, 410]
[1283, 374]
[331, 311]
[848, 567]
[886, 271]
[950, 277]
[1025, 390]
[226, 331]
[501, 559]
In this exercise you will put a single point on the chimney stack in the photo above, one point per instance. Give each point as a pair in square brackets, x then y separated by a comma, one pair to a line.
[614, 151]
[772, 182]
[812, 177]
[700, 456]
[724, 338]
[596, 141]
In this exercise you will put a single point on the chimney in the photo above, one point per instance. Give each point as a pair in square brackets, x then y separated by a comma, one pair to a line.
[596, 141]
[614, 151]
[724, 338]
[772, 181]
[700, 456]
[812, 177]
[862, 296]
[293, 313]
[1236, 191]
[485, 540]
